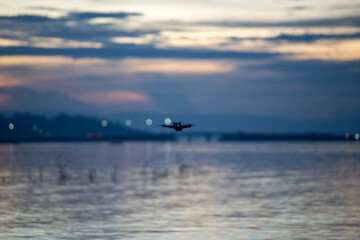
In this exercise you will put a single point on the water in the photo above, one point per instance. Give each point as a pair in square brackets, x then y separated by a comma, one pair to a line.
[180, 191]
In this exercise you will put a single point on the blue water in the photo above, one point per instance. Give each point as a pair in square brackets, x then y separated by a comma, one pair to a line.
[259, 190]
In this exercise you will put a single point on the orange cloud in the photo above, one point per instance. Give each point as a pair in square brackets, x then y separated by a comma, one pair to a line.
[329, 50]
[172, 66]
[128, 65]
[112, 97]
[8, 81]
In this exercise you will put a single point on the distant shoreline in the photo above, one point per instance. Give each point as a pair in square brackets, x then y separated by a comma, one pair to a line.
[226, 137]
[286, 137]
[115, 139]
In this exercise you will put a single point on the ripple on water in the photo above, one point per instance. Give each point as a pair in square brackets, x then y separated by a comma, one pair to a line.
[182, 191]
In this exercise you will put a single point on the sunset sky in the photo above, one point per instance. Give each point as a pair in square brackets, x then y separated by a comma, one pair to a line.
[273, 59]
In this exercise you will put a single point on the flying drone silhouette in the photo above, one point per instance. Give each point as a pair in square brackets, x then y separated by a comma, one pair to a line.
[177, 126]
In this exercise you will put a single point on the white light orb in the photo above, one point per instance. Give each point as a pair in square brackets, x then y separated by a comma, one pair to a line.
[128, 122]
[167, 121]
[357, 136]
[148, 122]
[11, 126]
[104, 123]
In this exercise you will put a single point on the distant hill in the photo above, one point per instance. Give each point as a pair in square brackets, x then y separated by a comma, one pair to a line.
[21, 127]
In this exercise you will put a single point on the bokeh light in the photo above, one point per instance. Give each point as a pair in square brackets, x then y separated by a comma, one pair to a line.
[357, 136]
[128, 122]
[148, 122]
[167, 121]
[104, 123]
[11, 126]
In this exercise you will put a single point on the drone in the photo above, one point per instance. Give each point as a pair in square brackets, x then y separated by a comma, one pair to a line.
[178, 126]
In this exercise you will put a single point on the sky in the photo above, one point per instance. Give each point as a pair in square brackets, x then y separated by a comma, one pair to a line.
[248, 65]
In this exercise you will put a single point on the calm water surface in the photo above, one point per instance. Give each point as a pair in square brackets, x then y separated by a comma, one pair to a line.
[180, 191]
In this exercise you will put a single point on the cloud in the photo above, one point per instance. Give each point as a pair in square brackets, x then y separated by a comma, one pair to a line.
[301, 89]
[174, 66]
[74, 36]
[353, 21]
[347, 50]
[130, 50]
[47, 68]
[298, 8]
[4, 99]
[334, 78]
[70, 16]
[90, 15]
[305, 38]
[44, 8]
[344, 7]
[25, 18]
[27, 100]
[73, 26]
[312, 37]
[117, 97]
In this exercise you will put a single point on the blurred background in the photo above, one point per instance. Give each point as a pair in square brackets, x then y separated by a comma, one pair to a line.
[231, 65]
[272, 86]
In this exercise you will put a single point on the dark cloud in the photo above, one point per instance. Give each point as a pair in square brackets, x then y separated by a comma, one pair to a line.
[315, 86]
[326, 22]
[172, 96]
[80, 28]
[322, 74]
[298, 8]
[86, 32]
[90, 15]
[327, 91]
[131, 50]
[302, 89]
[25, 18]
[304, 37]
[27, 100]
[69, 16]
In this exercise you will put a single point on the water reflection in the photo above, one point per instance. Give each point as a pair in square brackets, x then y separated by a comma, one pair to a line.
[180, 190]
